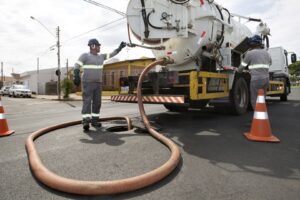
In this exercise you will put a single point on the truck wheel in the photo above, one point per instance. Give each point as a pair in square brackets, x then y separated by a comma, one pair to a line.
[239, 97]
[176, 108]
[284, 96]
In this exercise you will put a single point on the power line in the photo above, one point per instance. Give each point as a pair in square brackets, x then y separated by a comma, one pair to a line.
[42, 53]
[109, 23]
[52, 47]
[106, 7]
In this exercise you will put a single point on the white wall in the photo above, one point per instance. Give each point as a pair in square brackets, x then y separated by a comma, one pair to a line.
[36, 80]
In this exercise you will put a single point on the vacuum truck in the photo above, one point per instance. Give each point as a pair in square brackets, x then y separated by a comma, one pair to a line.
[206, 43]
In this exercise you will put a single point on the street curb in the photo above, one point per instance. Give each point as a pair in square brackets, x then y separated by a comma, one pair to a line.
[68, 99]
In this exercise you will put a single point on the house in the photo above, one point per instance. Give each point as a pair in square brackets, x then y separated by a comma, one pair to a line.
[7, 81]
[112, 72]
[42, 81]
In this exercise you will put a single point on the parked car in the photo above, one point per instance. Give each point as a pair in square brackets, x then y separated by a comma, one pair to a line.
[19, 91]
[4, 90]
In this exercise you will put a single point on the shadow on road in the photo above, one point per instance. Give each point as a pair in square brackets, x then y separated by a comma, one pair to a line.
[219, 139]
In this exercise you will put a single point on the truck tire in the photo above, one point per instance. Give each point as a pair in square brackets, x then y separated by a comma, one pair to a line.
[284, 96]
[176, 108]
[239, 97]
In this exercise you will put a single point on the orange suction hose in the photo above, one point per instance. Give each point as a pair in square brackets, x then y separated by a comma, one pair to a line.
[104, 187]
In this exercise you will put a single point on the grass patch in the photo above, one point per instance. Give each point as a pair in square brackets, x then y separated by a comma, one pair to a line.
[109, 93]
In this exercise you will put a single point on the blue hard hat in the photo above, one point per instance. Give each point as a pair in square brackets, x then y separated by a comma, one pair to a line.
[256, 39]
[93, 42]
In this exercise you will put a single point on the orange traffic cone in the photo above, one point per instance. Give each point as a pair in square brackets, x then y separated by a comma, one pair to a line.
[260, 128]
[3, 124]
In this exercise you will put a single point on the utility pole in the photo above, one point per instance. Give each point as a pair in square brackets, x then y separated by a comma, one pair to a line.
[58, 53]
[2, 76]
[67, 66]
[37, 75]
[58, 63]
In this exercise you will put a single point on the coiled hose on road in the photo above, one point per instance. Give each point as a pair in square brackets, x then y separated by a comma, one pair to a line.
[104, 187]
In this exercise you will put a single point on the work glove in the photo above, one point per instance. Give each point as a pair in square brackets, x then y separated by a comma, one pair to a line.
[121, 46]
[76, 79]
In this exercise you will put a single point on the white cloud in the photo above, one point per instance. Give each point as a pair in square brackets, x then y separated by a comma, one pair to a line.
[282, 16]
[22, 39]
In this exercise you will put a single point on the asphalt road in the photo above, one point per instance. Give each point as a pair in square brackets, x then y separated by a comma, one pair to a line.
[217, 161]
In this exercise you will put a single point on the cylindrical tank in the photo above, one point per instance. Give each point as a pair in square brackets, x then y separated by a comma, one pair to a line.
[186, 28]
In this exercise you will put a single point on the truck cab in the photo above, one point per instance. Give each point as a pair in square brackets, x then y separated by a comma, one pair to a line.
[279, 70]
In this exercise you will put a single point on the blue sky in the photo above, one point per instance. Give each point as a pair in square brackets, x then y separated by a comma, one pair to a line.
[22, 39]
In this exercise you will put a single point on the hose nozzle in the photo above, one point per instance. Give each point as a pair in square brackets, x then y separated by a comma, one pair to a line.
[167, 60]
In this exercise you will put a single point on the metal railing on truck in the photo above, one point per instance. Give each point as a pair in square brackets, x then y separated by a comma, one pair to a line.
[201, 86]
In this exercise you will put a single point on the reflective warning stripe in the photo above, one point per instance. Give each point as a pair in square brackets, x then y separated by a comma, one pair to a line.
[244, 64]
[2, 116]
[86, 116]
[149, 99]
[79, 63]
[260, 99]
[172, 53]
[92, 66]
[95, 115]
[259, 66]
[261, 115]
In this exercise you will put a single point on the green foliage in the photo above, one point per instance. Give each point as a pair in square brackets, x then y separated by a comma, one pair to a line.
[67, 86]
[294, 78]
[295, 68]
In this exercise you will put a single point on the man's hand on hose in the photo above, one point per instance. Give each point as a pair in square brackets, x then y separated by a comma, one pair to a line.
[121, 46]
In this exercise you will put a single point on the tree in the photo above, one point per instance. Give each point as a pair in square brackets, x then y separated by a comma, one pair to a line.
[67, 86]
[295, 69]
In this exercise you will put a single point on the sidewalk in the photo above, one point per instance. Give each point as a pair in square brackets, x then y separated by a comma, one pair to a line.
[72, 97]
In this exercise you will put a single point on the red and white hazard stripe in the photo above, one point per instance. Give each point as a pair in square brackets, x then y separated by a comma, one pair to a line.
[149, 99]
[203, 34]
[171, 53]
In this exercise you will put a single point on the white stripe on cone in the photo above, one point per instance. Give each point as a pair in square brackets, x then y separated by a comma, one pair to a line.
[2, 116]
[260, 99]
[261, 115]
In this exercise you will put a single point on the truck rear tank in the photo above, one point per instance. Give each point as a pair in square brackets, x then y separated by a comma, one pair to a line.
[206, 44]
[188, 30]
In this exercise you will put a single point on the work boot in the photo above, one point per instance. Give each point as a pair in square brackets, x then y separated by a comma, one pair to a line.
[96, 123]
[86, 124]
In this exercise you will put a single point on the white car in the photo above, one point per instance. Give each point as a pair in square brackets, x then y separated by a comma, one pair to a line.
[19, 91]
[4, 90]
